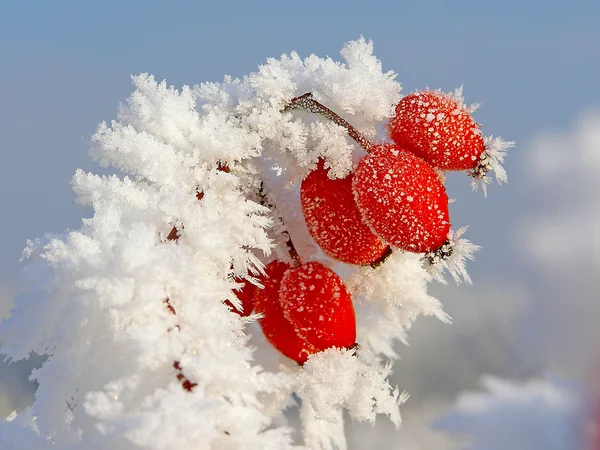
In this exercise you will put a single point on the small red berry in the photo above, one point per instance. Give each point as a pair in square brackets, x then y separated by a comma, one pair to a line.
[334, 221]
[402, 198]
[278, 330]
[439, 128]
[245, 295]
[316, 302]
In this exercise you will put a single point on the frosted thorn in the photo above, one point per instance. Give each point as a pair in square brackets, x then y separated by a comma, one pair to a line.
[167, 303]
[173, 234]
[223, 167]
[185, 382]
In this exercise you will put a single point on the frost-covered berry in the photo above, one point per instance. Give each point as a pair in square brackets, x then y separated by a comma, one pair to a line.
[334, 221]
[245, 295]
[276, 327]
[402, 199]
[306, 309]
[439, 128]
[316, 302]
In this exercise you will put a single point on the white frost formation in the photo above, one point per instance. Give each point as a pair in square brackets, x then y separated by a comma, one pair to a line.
[129, 317]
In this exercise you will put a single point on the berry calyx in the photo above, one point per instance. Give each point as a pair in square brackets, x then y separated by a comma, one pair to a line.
[316, 302]
[439, 128]
[278, 330]
[402, 199]
[334, 221]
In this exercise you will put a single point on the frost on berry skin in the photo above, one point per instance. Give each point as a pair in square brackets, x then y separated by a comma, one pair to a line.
[276, 327]
[334, 220]
[439, 128]
[316, 302]
[402, 199]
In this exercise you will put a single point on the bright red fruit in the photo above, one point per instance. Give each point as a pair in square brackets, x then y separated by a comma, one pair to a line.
[438, 128]
[334, 221]
[276, 327]
[316, 301]
[402, 198]
[245, 295]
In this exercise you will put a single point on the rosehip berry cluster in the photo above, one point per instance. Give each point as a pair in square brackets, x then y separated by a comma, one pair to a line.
[395, 199]
[306, 309]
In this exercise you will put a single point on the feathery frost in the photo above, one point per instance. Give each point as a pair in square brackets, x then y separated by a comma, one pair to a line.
[142, 350]
[491, 161]
[452, 256]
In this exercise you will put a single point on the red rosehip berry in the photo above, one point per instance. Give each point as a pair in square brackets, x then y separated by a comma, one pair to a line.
[278, 330]
[316, 302]
[402, 199]
[306, 309]
[334, 221]
[438, 128]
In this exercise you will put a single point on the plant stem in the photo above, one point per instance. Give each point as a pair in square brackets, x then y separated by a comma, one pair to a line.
[309, 104]
[292, 251]
[265, 201]
[383, 258]
[174, 235]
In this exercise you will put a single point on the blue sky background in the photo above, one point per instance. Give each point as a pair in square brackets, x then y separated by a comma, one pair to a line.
[534, 66]
[66, 65]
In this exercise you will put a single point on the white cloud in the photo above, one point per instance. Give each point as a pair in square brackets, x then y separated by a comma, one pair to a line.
[560, 237]
[563, 169]
[536, 414]
[6, 298]
[414, 434]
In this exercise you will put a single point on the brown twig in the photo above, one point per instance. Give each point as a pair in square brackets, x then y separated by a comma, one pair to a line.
[185, 382]
[169, 306]
[264, 201]
[383, 258]
[292, 251]
[309, 104]
[174, 235]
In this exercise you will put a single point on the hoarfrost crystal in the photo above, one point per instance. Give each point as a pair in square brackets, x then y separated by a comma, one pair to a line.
[130, 308]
